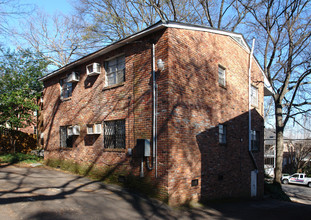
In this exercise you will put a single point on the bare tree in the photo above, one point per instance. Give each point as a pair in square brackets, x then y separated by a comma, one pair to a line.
[284, 28]
[97, 23]
[56, 37]
[223, 14]
[10, 9]
[110, 20]
[302, 154]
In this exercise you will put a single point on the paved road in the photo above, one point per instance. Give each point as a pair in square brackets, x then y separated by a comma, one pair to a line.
[298, 193]
[40, 193]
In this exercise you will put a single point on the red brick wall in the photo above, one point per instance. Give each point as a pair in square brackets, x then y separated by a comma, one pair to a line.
[190, 107]
[197, 105]
[91, 102]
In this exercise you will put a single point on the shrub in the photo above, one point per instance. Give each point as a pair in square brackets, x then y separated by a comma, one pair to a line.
[275, 191]
[19, 157]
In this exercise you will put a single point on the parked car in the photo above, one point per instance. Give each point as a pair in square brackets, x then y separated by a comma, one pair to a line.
[285, 175]
[297, 178]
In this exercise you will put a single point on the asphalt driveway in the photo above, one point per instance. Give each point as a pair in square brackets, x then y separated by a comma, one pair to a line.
[298, 193]
[40, 193]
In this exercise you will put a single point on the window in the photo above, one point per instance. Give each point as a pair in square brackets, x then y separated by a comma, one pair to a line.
[114, 134]
[65, 137]
[269, 161]
[222, 134]
[115, 71]
[221, 76]
[254, 96]
[255, 140]
[65, 88]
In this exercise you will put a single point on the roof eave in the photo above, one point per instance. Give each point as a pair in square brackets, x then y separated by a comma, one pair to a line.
[111, 47]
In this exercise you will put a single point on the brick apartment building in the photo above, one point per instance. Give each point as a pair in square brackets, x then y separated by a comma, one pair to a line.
[104, 108]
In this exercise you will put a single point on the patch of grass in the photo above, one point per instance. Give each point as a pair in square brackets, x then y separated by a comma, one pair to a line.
[275, 191]
[19, 158]
[113, 175]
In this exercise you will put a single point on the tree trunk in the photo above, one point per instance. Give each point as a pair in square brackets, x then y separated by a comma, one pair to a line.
[279, 143]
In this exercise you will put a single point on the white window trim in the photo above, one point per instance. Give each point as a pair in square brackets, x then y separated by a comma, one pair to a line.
[105, 67]
[254, 102]
[64, 81]
[220, 67]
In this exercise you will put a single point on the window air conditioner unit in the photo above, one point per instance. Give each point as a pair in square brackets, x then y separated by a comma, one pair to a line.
[93, 69]
[69, 131]
[97, 128]
[76, 130]
[73, 77]
[94, 129]
[89, 129]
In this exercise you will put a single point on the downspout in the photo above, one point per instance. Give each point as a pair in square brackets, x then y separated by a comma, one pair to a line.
[250, 108]
[154, 116]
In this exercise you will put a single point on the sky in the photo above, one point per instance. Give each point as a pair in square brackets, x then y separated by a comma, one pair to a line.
[47, 6]
[51, 6]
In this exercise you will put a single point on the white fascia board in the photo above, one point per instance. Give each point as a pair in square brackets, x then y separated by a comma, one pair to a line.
[268, 91]
[210, 30]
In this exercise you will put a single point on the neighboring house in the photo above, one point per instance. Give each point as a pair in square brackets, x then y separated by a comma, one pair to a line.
[270, 151]
[99, 109]
[294, 151]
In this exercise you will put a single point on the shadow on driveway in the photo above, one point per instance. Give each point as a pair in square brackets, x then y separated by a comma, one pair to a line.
[40, 193]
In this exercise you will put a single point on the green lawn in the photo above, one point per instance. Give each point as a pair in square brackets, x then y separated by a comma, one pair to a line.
[19, 158]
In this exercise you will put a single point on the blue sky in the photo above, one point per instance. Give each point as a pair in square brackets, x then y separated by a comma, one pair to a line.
[47, 6]
[51, 6]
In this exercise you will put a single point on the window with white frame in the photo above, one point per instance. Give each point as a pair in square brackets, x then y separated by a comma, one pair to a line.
[114, 134]
[255, 140]
[254, 96]
[222, 134]
[65, 88]
[65, 137]
[115, 70]
[221, 75]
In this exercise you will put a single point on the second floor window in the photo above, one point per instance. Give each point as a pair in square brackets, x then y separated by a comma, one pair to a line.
[65, 88]
[254, 96]
[115, 71]
[221, 76]
[255, 140]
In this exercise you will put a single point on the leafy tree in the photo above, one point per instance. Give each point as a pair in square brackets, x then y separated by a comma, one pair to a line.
[19, 87]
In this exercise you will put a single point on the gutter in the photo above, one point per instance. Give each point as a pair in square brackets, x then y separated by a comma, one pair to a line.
[154, 116]
[250, 108]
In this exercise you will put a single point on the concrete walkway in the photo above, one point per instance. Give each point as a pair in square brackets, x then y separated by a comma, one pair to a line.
[41, 193]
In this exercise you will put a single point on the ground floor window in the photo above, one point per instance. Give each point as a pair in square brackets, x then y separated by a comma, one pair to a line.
[222, 134]
[114, 134]
[269, 161]
[65, 138]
